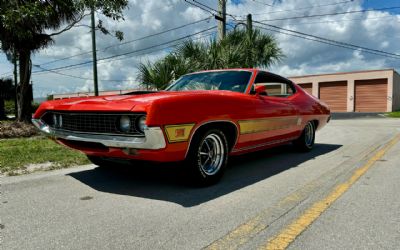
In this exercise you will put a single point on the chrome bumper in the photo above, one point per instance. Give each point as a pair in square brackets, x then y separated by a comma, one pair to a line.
[153, 139]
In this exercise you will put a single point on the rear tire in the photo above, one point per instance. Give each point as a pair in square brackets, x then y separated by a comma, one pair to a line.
[207, 157]
[306, 141]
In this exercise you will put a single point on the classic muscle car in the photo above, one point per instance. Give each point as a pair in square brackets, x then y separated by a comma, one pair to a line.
[200, 120]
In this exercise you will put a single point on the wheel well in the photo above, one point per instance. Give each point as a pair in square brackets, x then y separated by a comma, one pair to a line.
[228, 128]
[316, 123]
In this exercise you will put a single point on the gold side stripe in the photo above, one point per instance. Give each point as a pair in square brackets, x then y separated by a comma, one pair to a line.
[267, 124]
[178, 133]
[264, 144]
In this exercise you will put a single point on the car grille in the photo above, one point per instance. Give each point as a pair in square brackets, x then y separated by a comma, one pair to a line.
[101, 123]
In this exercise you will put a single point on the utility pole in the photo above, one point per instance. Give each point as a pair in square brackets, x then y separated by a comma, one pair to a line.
[249, 23]
[96, 86]
[221, 19]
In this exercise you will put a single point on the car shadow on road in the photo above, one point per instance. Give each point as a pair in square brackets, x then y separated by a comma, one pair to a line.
[167, 181]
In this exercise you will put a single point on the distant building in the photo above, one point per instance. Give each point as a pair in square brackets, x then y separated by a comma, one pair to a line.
[87, 94]
[357, 91]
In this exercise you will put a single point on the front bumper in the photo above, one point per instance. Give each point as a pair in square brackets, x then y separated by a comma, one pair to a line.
[153, 139]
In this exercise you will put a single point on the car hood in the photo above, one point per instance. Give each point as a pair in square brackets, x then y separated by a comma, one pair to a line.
[134, 102]
[109, 103]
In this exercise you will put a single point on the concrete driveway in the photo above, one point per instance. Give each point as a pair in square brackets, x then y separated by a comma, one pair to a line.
[265, 200]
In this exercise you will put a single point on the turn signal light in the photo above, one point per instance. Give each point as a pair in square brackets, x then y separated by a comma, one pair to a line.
[179, 132]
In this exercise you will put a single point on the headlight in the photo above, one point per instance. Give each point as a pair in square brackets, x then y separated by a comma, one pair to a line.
[55, 123]
[124, 124]
[141, 124]
[60, 121]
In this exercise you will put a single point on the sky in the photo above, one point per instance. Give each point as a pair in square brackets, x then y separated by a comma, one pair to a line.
[378, 29]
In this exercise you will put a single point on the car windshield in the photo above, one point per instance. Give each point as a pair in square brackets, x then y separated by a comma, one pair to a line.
[214, 80]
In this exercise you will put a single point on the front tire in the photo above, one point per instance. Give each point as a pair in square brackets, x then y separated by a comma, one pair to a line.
[306, 141]
[207, 157]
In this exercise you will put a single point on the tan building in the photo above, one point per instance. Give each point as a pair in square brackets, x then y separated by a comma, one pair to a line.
[358, 91]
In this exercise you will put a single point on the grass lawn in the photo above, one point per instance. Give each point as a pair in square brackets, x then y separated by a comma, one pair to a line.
[17, 154]
[395, 114]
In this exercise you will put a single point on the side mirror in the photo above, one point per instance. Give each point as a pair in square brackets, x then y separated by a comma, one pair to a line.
[261, 90]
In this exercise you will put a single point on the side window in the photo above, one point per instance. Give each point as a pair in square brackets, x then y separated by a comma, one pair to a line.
[275, 85]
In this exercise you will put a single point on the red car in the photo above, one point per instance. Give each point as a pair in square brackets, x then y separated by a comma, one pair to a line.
[200, 119]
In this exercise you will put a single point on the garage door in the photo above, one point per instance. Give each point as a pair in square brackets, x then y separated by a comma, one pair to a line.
[334, 94]
[307, 87]
[370, 95]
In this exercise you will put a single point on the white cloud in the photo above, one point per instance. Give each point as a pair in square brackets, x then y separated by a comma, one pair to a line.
[375, 29]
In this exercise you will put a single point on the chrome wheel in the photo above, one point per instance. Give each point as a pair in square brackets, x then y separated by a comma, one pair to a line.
[211, 154]
[307, 138]
[309, 135]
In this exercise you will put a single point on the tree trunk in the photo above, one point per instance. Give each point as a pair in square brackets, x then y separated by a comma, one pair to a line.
[2, 109]
[24, 90]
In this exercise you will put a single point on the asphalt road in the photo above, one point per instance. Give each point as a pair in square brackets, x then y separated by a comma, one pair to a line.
[260, 197]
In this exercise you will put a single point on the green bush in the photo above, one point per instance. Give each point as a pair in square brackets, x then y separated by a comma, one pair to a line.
[35, 106]
[9, 107]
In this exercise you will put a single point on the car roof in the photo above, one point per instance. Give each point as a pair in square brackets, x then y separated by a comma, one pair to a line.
[229, 69]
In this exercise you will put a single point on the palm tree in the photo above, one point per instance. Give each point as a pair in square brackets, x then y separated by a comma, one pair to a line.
[239, 49]
[25, 29]
[159, 74]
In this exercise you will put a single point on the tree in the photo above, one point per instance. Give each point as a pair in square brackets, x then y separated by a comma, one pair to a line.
[239, 49]
[27, 26]
[159, 74]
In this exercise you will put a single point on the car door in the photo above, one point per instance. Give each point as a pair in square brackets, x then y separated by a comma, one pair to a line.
[276, 119]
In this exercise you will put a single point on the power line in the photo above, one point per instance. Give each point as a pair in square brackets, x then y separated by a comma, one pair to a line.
[163, 48]
[208, 9]
[140, 54]
[177, 44]
[329, 14]
[206, 6]
[266, 4]
[131, 41]
[320, 41]
[45, 71]
[330, 41]
[78, 77]
[66, 58]
[200, 7]
[304, 8]
[59, 73]
[342, 20]
[130, 52]
[159, 33]
[181, 38]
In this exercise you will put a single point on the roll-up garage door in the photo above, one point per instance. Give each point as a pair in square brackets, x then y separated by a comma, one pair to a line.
[371, 95]
[334, 94]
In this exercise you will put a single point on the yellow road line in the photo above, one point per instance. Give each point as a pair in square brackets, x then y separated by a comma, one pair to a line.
[243, 233]
[291, 232]
[251, 228]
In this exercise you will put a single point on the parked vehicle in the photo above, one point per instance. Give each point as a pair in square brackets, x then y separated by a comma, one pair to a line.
[201, 119]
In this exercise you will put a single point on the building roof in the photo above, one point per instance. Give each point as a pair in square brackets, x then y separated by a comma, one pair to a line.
[343, 73]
